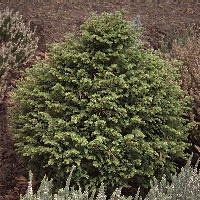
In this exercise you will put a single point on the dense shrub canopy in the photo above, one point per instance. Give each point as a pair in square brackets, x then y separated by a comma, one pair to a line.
[101, 103]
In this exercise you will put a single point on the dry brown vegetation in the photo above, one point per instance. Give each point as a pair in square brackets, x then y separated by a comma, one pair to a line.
[189, 54]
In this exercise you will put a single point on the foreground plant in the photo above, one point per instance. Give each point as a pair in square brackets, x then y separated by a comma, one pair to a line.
[104, 104]
[184, 186]
[17, 46]
[45, 192]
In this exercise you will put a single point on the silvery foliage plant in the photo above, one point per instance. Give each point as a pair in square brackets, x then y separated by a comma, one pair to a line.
[184, 186]
[67, 193]
[17, 47]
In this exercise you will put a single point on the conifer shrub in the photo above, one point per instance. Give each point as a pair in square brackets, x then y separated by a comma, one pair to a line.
[104, 104]
[17, 46]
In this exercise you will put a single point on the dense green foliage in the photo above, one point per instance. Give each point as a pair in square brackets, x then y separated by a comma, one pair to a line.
[184, 186]
[18, 45]
[104, 104]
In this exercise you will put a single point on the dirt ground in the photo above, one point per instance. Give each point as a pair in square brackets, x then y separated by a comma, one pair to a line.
[162, 21]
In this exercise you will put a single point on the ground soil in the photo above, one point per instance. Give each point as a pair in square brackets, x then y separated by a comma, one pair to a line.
[162, 21]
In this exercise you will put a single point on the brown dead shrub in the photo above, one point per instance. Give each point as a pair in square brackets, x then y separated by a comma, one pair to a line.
[189, 53]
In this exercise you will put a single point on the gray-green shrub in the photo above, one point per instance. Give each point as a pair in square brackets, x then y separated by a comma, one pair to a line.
[104, 104]
[184, 186]
[17, 46]
[68, 193]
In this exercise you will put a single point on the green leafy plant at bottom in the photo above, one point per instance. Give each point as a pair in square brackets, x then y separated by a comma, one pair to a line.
[184, 186]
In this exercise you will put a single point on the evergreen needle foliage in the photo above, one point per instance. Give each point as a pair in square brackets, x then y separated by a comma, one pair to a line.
[104, 104]
[17, 46]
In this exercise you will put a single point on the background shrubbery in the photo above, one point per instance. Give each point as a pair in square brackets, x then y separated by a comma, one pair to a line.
[17, 46]
[189, 53]
[104, 104]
